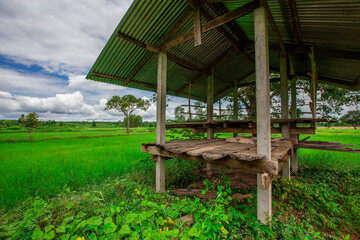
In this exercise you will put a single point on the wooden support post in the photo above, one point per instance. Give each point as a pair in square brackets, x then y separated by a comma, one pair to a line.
[220, 108]
[285, 130]
[160, 119]
[197, 25]
[189, 98]
[236, 104]
[294, 159]
[262, 108]
[313, 86]
[210, 112]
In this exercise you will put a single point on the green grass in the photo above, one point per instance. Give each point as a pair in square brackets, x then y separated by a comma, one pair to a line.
[76, 172]
[77, 157]
[330, 159]
[42, 168]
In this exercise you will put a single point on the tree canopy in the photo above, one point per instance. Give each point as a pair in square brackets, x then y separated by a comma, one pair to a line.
[127, 104]
[352, 117]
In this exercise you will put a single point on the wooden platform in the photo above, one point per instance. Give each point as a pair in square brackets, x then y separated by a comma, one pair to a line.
[231, 152]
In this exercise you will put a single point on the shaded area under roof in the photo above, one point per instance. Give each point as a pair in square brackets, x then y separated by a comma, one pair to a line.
[332, 27]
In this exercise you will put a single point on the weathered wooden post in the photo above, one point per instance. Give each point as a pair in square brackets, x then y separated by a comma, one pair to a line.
[285, 131]
[262, 108]
[236, 104]
[160, 119]
[313, 85]
[210, 113]
[294, 159]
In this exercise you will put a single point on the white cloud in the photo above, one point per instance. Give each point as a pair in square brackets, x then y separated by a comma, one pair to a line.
[79, 82]
[30, 84]
[61, 103]
[60, 36]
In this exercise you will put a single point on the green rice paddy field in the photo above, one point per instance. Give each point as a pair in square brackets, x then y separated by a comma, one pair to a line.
[77, 157]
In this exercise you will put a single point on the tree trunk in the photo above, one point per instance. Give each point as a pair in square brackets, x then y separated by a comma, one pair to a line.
[31, 135]
[128, 124]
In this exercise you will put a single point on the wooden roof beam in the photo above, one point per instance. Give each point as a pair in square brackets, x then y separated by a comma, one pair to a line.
[185, 17]
[221, 92]
[275, 29]
[208, 17]
[227, 17]
[325, 79]
[147, 85]
[172, 57]
[216, 62]
[225, 34]
[295, 20]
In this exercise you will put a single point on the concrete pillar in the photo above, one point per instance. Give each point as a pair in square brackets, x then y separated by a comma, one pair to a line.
[285, 131]
[262, 107]
[210, 113]
[160, 119]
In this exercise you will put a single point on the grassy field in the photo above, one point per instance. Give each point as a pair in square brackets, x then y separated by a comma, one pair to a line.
[77, 157]
[99, 181]
[55, 159]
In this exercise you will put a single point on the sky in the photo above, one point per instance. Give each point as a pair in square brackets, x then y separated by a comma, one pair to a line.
[46, 50]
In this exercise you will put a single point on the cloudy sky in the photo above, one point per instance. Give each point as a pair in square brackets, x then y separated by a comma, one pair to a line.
[47, 48]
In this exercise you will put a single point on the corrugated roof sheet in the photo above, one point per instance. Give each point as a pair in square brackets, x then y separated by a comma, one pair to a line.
[332, 27]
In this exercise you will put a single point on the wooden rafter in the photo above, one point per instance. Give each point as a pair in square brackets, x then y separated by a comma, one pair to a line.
[320, 51]
[147, 85]
[275, 28]
[172, 57]
[346, 83]
[237, 45]
[208, 17]
[295, 20]
[227, 17]
[221, 92]
[216, 62]
[188, 13]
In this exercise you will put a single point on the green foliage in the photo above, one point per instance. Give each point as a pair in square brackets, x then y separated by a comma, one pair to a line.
[135, 121]
[127, 208]
[127, 104]
[30, 122]
[352, 117]
[179, 114]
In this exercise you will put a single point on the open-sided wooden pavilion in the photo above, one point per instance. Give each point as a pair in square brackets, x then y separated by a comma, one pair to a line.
[206, 49]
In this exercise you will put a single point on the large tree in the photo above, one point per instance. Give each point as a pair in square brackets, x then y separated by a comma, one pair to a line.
[331, 99]
[135, 121]
[127, 104]
[30, 122]
[352, 117]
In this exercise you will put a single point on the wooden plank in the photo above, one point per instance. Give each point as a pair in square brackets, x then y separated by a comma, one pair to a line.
[254, 166]
[227, 17]
[183, 148]
[280, 152]
[248, 155]
[199, 151]
[326, 147]
[228, 149]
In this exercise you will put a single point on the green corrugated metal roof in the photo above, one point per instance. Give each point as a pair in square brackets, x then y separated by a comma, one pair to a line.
[324, 24]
